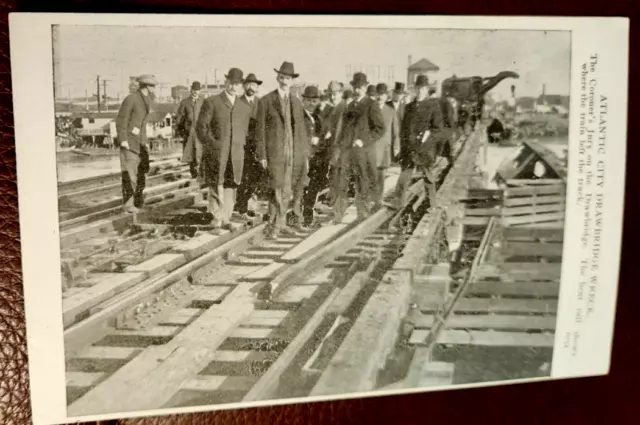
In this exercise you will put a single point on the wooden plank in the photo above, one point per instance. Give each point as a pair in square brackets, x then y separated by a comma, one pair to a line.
[481, 212]
[251, 333]
[181, 317]
[534, 209]
[159, 263]
[317, 239]
[105, 286]
[532, 248]
[355, 365]
[538, 200]
[531, 182]
[496, 339]
[204, 383]
[528, 219]
[534, 190]
[551, 234]
[264, 273]
[83, 379]
[514, 289]
[425, 373]
[506, 305]
[153, 377]
[490, 321]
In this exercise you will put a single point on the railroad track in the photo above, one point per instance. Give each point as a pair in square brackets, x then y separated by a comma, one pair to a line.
[232, 322]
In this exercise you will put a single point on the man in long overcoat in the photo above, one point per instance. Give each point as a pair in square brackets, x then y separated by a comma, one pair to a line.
[253, 171]
[363, 125]
[186, 120]
[131, 127]
[388, 145]
[222, 126]
[283, 149]
[420, 138]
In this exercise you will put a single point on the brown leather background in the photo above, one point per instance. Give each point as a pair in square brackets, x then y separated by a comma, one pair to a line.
[610, 399]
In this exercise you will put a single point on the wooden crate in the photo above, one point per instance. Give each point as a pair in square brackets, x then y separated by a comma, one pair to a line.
[534, 202]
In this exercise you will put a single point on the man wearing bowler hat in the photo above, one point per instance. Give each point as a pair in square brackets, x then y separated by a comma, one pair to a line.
[362, 125]
[222, 126]
[283, 150]
[420, 138]
[131, 127]
[397, 100]
[319, 160]
[186, 119]
[253, 171]
[388, 146]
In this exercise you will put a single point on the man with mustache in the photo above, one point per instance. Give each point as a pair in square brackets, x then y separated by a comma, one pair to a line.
[387, 146]
[253, 171]
[222, 126]
[283, 150]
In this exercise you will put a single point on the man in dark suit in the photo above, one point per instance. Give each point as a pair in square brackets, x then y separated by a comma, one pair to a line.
[388, 145]
[131, 126]
[420, 138]
[283, 150]
[222, 126]
[362, 126]
[319, 160]
[186, 119]
[397, 101]
[253, 171]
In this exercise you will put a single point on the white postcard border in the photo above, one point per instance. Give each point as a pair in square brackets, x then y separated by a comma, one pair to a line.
[32, 81]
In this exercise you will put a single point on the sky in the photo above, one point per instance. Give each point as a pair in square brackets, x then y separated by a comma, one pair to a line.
[180, 54]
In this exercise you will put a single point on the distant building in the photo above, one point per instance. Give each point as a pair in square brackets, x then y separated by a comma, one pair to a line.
[422, 67]
[179, 93]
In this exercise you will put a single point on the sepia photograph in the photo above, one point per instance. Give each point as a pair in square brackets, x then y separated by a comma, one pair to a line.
[285, 213]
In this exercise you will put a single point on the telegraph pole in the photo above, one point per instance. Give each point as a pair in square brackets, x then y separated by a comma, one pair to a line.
[98, 95]
[104, 93]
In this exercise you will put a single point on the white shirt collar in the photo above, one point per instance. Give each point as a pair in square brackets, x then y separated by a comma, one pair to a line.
[282, 93]
[231, 97]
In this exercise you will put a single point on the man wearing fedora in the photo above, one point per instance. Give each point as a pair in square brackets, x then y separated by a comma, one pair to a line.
[283, 150]
[319, 160]
[362, 126]
[253, 171]
[131, 127]
[222, 126]
[388, 146]
[186, 119]
[420, 138]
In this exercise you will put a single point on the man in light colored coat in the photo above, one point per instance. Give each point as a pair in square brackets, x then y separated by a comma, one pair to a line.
[387, 146]
[131, 127]
[222, 126]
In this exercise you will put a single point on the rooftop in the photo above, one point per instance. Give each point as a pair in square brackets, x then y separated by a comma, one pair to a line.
[424, 65]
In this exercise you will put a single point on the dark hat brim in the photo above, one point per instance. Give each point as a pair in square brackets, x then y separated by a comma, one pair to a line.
[289, 74]
[235, 80]
[258, 82]
[359, 83]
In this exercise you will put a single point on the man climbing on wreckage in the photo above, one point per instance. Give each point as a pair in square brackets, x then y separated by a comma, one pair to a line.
[421, 136]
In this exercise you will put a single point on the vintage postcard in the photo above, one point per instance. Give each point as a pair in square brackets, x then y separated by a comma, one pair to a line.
[233, 211]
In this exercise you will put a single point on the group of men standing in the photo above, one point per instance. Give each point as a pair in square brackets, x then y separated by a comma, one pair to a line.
[237, 143]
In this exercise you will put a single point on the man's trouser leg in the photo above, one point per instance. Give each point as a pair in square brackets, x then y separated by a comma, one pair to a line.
[361, 163]
[404, 180]
[301, 180]
[381, 175]
[143, 169]
[341, 176]
[277, 209]
[317, 180]
[129, 164]
[216, 204]
[249, 183]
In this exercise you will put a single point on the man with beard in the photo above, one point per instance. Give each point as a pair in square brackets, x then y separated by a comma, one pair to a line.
[319, 160]
[420, 136]
[283, 150]
[222, 126]
[253, 172]
[131, 125]
[387, 145]
[186, 119]
[362, 126]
